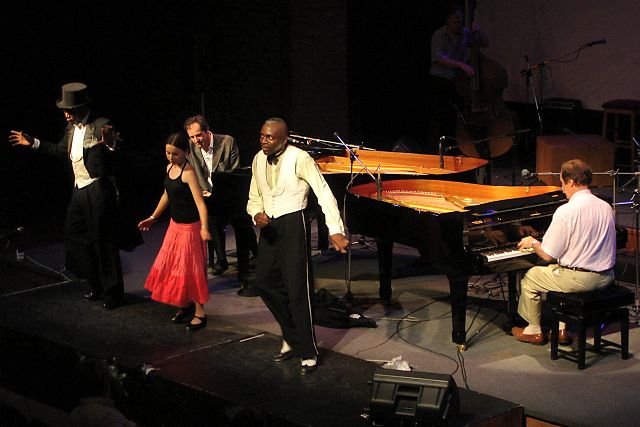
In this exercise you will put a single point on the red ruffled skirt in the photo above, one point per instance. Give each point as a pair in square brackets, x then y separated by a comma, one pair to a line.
[178, 276]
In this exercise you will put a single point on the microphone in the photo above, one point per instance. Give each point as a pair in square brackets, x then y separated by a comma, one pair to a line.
[526, 174]
[12, 232]
[601, 41]
[289, 139]
[441, 152]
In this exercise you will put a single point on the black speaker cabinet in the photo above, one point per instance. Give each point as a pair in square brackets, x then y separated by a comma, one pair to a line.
[419, 398]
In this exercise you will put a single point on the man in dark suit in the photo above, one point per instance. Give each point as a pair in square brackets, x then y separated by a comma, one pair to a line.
[89, 145]
[219, 153]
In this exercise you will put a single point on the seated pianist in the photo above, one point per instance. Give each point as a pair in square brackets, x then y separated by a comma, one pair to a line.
[580, 243]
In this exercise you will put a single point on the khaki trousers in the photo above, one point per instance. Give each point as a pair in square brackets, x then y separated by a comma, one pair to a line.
[559, 279]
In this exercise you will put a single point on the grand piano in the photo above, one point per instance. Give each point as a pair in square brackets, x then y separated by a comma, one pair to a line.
[447, 221]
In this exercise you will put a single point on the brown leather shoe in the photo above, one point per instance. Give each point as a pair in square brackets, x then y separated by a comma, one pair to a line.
[564, 338]
[536, 339]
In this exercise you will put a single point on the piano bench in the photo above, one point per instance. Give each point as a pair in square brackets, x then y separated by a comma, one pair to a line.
[590, 309]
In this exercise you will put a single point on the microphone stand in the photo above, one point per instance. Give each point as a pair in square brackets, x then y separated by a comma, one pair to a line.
[514, 159]
[442, 149]
[634, 202]
[325, 142]
[636, 250]
[354, 157]
[527, 72]
[637, 144]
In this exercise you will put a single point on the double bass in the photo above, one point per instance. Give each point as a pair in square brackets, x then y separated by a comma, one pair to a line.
[484, 115]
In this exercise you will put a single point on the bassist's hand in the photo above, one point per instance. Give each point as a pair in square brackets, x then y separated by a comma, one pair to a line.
[468, 69]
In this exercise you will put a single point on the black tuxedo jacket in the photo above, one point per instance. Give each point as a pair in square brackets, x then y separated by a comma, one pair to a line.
[98, 159]
[100, 162]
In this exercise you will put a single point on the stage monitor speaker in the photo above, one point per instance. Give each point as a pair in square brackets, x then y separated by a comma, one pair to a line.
[420, 398]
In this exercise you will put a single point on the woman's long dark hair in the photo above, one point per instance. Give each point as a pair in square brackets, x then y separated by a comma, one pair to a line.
[179, 140]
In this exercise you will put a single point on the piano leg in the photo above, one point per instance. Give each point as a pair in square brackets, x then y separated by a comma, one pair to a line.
[458, 289]
[512, 304]
[385, 264]
[458, 283]
[513, 277]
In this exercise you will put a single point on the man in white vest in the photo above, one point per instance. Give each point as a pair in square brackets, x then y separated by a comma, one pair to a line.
[282, 176]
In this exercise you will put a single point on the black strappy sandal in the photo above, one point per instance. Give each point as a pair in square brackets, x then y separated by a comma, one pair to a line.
[183, 313]
[194, 327]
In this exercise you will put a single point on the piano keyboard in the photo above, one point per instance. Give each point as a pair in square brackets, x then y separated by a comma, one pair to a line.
[505, 253]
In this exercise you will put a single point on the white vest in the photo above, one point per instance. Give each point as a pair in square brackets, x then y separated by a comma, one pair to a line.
[79, 139]
[289, 194]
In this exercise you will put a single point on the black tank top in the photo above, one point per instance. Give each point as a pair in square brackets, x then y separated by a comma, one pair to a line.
[183, 207]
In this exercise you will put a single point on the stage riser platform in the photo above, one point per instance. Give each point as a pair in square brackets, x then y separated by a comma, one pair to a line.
[172, 377]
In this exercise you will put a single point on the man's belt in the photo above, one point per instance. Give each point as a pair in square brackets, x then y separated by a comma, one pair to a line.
[584, 270]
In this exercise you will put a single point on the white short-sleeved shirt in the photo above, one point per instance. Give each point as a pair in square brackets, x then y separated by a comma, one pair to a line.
[582, 233]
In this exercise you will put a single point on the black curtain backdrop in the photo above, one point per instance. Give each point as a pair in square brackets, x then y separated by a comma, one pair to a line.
[389, 58]
[148, 65]
[357, 67]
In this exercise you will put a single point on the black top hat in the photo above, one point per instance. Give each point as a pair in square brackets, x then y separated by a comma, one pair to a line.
[74, 95]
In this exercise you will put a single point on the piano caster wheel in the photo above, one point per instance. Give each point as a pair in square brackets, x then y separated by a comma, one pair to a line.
[461, 347]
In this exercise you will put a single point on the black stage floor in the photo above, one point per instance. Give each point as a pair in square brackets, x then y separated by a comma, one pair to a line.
[222, 375]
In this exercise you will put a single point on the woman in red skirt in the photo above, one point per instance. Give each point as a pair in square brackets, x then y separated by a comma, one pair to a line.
[178, 276]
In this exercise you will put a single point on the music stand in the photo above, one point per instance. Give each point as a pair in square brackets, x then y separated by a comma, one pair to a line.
[636, 250]
[634, 202]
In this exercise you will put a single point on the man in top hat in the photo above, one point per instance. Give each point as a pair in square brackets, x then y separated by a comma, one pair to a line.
[88, 145]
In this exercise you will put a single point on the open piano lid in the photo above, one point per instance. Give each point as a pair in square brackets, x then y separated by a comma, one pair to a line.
[443, 197]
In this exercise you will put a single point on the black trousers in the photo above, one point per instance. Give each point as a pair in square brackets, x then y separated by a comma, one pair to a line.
[245, 240]
[91, 239]
[284, 282]
[217, 244]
